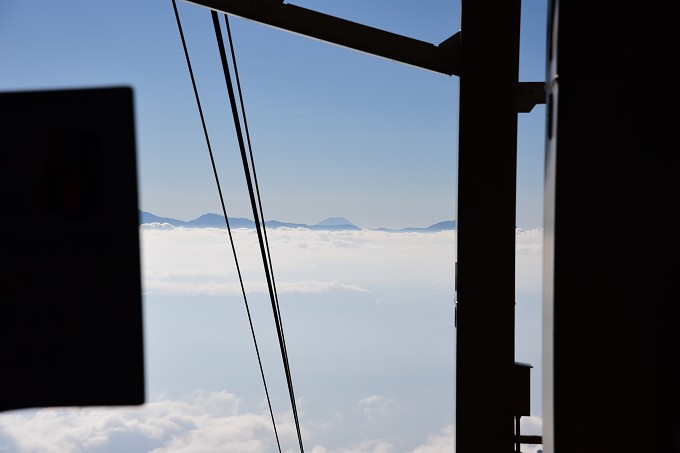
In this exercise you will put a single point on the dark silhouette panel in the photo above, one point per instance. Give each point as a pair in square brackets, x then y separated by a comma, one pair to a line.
[70, 279]
[611, 379]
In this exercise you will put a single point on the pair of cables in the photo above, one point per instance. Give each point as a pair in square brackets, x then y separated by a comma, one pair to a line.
[256, 205]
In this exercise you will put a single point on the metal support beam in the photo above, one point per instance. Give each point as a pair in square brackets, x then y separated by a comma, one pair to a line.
[531, 440]
[485, 277]
[443, 58]
[529, 95]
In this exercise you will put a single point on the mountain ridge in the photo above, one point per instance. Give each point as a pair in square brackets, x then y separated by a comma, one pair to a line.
[213, 220]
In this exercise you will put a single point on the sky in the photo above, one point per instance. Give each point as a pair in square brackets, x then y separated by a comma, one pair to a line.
[334, 132]
[368, 316]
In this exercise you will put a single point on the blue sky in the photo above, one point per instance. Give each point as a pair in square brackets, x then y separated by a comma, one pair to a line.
[368, 315]
[335, 132]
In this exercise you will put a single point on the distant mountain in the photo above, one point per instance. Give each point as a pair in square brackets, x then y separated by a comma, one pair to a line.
[212, 220]
[335, 224]
[335, 221]
[441, 226]
[344, 227]
[217, 221]
[147, 217]
[277, 224]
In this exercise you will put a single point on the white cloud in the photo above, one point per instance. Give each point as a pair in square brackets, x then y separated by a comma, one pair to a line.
[375, 405]
[200, 261]
[442, 442]
[392, 266]
[531, 425]
[388, 266]
[317, 287]
[157, 226]
[529, 242]
[200, 424]
[528, 260]
[372, 446]
[200, 286]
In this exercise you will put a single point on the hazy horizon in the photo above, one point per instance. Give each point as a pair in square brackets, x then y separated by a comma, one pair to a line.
[329, 221]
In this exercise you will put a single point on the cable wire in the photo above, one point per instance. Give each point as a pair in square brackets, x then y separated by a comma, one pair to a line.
[258, 225]
[252, 163]
[226, 218]
[252, 158]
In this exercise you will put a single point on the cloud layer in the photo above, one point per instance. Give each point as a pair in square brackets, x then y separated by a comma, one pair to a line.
[180, 261]
[369, 326]
[201, 423]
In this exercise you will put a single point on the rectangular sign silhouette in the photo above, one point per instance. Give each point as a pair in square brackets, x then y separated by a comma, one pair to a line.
[70, 277]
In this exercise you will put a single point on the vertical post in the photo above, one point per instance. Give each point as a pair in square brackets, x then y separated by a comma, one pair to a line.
[486, 226]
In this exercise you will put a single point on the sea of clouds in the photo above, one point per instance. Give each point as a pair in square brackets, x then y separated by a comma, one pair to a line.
[203, 423]
[369, 319]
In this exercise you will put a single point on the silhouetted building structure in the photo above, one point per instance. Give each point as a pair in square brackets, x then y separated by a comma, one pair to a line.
[610, 356]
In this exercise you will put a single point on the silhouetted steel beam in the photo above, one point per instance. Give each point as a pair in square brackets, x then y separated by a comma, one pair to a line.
[532, 440]
[529, 95]
[485, 277]
[442, 58]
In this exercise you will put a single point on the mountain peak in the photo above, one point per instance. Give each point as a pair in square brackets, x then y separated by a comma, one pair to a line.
[335, 221]
[213, 220]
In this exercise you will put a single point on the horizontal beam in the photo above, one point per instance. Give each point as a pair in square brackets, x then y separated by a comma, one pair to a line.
[533, 440]
[443, 58]
[530, 94]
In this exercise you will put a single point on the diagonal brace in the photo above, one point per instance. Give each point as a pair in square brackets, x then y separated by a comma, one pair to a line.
[443, 58]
